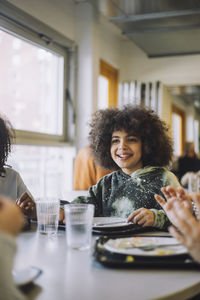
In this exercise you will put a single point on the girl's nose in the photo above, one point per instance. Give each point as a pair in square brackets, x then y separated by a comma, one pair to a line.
[122, 144]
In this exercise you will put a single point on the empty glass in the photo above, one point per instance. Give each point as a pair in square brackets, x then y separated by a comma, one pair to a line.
[194, 187]
[48, 215]
[79, 220]
[193, 183]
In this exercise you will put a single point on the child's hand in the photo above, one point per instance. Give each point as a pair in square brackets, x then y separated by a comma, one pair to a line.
[61, 216]
[27, 205]
[11, 218]
[142, 216]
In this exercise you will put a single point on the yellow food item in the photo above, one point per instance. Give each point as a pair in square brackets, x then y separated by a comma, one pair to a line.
[103, 258]
[129, 258]
[163, 252]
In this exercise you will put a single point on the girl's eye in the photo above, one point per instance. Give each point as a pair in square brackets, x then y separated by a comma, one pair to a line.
[114, 141]
[132, 139]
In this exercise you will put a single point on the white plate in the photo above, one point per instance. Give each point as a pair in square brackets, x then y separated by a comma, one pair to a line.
[25, 276]
[131, 246]
[109, 222]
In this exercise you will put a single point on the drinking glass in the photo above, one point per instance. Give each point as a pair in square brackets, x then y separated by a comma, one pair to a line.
[193, 183]
[48, 215]
[79, 219]
[194, 187]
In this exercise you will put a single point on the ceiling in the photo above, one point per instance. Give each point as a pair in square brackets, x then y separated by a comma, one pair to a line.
[160, 28]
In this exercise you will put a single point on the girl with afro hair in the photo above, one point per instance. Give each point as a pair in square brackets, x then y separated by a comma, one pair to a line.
[11, 183]
[133, 141]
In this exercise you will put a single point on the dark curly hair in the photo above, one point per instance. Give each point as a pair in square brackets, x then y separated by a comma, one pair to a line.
[6, 136]
[142, 122]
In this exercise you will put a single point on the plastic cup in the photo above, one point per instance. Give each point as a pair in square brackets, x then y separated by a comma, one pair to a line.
[79, 220]
[48, 215]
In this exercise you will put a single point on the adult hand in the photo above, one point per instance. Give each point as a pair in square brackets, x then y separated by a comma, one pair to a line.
[187, 228]
[170, 193]
[27, 205]
[142, 216]
[11, 218]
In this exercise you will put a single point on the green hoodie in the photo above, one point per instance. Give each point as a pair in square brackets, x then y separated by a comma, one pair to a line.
[119, 194]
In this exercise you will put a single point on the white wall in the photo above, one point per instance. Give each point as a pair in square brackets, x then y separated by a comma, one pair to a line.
[58, 14]
[85, 78]
[166, 105]
[136, 65]
[109, 42]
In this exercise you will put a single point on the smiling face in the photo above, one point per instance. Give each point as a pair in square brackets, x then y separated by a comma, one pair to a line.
[126, 151]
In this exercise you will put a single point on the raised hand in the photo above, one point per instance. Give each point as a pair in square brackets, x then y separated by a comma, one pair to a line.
[186, 227]
[170, 193]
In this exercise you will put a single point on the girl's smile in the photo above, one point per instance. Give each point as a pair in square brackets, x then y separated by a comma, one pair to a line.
[126, 151]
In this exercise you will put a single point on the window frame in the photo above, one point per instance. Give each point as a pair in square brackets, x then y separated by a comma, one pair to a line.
[28, 28]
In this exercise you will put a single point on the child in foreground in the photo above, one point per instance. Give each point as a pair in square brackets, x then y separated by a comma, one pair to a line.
[134, 142]
[11, 223]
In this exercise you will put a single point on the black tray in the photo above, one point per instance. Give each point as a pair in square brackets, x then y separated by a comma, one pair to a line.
[123, 231]
[117, 260]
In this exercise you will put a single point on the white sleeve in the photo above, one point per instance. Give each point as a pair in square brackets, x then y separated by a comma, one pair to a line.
[21, 187]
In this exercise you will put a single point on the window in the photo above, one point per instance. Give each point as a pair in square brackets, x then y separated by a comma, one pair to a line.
[178, 130]
[45, 170]
[103, 92]
[196, 135]
[141, 93]
[107, 86]
[34, 77]
[32, 85]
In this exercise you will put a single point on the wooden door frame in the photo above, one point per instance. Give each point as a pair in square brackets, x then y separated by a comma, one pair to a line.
[111, 74]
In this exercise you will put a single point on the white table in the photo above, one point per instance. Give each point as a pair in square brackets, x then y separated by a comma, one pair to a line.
[74, 275]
